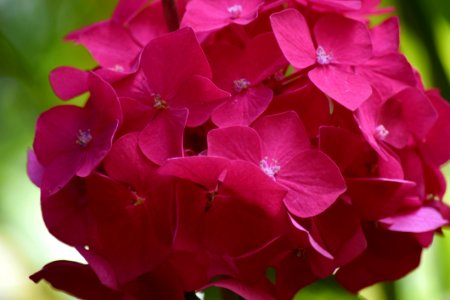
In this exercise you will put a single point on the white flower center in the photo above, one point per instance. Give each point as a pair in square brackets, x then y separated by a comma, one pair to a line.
[241, 84]
[160, 103]
[235, 11]
[84, 137]
[322, 57]
[270, 167]
[381, 132]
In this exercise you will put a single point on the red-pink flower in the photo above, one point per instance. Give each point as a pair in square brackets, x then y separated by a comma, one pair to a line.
[240, 72]
[71, 140]
[336, 46]
[209, 15]
[311, 178]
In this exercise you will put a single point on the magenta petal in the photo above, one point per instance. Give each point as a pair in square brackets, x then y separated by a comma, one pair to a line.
[148, 23]
[311, 239]
[292, 33]
[56, 132]
[126, 163]
[200, 169]
[389, 74]
[206, 15]
[262, 57]
[65, 213]
[313, 182]
[436, 146]
[346, 88]
[68, 82]
[235, 143]
[59, 172]
[246, 201]
[377, 198]
[162, 138]
[408, 112]
[75, 279]
[340, 230]
[200, 96]
[422, 220]
[167, 68]
[110, 44]
[389, 256]
[282, 136]
[243, 108]
[338, 4]
[35, 170]
[386, 37]
[347, 41]
[114, 209]
[125, 9]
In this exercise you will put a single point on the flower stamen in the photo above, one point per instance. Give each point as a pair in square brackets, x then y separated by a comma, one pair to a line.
[235, 11]
[270, 167]
[241, 85]
[322, 57]
[84, 137]
[381, 132]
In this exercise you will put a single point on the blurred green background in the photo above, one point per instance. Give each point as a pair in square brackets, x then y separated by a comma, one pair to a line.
[31, 45]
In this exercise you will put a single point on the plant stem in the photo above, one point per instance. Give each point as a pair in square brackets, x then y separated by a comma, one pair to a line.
[171, 14]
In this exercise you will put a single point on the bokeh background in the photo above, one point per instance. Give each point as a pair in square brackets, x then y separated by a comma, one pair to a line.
[31, 33]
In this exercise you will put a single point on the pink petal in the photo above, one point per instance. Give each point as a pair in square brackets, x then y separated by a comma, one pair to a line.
[59, 172]
[65, 212]
[167, 68]
[235, 143]
[436, 146]
[247, 201]
[262, 57]
[206, 171]
[334, 142]
[113, 210]
[311, 239]
[292, 33]
[340, 230]
[126, 163]
[389, 74]
[346, 40]
[56, 132]
[346, 88]
[200, 96]
[313, 182]
[162, 138]
[311, 105]
[125, 9]
[422, 220]
[109, 43]
[376, 198]
[35, 170]
[243, 108]
[338, 4]
[148, 23]
[408, 112]
[204, 15]
[75, 279]
[254, 187]
[386, 37]
[389, 256]
[68, 82]
[282, 135]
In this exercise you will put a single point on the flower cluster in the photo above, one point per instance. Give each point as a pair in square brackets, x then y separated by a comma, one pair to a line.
[290, 136]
